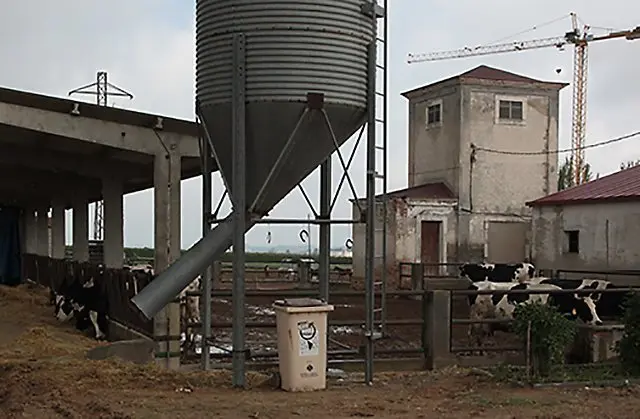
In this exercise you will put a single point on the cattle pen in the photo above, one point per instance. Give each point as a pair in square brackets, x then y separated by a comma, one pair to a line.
[426, 326]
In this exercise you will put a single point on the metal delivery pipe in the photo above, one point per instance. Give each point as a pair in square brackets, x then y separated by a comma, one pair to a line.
[166, 286]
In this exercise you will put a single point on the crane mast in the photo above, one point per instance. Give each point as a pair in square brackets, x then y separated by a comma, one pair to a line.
[579, 108]
[580, 40]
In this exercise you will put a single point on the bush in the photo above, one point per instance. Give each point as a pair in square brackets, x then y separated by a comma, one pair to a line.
[629, 345]
[551, 333]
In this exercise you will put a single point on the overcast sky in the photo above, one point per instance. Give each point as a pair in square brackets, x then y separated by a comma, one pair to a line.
[147, 47]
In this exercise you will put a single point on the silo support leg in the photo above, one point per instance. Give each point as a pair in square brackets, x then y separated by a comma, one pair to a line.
[239, 210]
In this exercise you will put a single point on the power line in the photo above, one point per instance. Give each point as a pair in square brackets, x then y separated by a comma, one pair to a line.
[566, 150]
[531, 29]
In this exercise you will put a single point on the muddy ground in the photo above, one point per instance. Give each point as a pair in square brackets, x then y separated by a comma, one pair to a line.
[43, 374]
[341, 337]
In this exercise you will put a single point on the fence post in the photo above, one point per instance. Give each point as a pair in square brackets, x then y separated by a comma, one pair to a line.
[304, 274]
[437, 328]
[417, 276]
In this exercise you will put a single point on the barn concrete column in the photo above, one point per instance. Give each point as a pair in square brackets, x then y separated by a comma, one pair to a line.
[42, 230]
[31, 231]
[81, 229]
[112, 194]
[57, 229]
[166, 325]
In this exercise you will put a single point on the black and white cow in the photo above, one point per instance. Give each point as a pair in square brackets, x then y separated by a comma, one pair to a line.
[497, 272]
[601, 304]
[586, 309]
[610, 305]
[501, 305]
[86, 303]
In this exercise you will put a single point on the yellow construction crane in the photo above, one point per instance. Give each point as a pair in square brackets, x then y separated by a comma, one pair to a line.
[579, 38]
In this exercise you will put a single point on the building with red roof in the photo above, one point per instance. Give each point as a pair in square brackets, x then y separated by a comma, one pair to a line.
[593, 226]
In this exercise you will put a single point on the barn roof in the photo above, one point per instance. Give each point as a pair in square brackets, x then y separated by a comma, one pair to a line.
[435, 190]
[620, 186]
[484, 72]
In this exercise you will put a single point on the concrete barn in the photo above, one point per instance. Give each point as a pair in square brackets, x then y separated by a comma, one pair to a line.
[593, 226]
[465, 202]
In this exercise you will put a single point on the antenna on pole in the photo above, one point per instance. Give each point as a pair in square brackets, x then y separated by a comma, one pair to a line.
[100, 89]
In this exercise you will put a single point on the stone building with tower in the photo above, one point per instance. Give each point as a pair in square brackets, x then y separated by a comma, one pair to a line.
[481, 145]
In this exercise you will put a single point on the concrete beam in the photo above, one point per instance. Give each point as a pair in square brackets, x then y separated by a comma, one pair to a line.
[126, 137]
[167, 249]
[42, 230]
[87, 166]
[58, 228]
[31, 186]
[31, 231]
[81, 229]
[113, 223]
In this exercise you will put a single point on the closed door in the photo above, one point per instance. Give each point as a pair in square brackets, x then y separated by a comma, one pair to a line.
[430, 246]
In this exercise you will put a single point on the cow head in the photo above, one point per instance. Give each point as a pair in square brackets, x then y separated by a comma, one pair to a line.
[524, 272]
[63, 308]
[585, 310]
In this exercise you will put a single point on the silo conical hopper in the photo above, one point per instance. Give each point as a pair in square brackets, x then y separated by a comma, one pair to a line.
[292, 48]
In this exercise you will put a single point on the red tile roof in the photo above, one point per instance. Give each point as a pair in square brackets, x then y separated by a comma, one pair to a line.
[484, 72]
[620, 186]
[436, 190]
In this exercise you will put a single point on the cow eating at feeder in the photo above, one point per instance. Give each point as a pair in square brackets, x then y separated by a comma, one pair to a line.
[500, 305]
[86, 302]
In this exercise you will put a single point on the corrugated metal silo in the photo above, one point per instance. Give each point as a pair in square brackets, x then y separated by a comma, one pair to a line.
[292, 48]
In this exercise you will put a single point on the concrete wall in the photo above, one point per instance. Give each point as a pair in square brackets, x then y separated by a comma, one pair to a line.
[434, 149]
[358, 234]
[489, 186]
[404, 219]
[608, 236]
[500, 183]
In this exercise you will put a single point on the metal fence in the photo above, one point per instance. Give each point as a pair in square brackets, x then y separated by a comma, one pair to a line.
[341, 353]
[457, 349]
[409, 272]
[119, 285]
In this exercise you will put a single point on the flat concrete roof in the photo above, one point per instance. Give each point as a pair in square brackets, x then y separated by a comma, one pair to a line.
[52, 146]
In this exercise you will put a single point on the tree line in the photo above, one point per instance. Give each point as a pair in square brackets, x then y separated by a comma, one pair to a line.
[146, 253]
[566, 178]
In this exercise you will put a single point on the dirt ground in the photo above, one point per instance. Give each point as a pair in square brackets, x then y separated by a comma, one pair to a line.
[43, 374]
[351, 308]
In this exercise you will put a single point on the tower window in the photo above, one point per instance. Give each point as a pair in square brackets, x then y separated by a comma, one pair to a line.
[434, 114]
[510, 109]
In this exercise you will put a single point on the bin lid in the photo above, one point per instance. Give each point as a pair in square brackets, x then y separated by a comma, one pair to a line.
[300, 302]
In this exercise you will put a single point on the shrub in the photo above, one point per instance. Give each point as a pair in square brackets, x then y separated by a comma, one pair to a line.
[629, 345]
[551, 333]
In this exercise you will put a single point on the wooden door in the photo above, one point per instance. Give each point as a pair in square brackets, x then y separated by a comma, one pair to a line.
[430, 246]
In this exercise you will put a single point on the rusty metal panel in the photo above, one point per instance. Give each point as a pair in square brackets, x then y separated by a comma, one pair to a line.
[506, 241]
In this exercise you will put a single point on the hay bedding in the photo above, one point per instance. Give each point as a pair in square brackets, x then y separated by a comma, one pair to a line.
[43, 364]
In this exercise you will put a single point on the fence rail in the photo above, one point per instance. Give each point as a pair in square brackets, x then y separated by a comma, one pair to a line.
[119, 285]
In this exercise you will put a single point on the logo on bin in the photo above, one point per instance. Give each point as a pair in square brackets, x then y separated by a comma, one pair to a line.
[309, 340]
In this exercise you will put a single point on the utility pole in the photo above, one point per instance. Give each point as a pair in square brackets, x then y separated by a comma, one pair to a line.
[100, 89]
